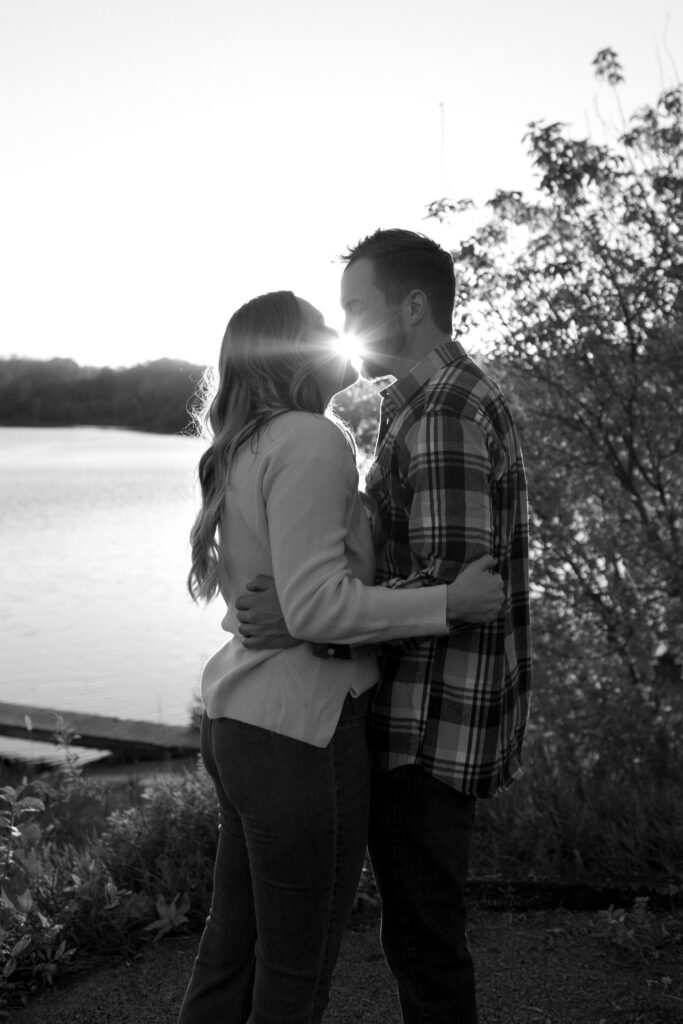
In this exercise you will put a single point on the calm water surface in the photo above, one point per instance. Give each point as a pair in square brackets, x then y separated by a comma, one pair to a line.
[94, 615]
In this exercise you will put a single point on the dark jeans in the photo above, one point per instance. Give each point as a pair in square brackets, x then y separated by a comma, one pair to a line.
[292, 839]
[420, 833]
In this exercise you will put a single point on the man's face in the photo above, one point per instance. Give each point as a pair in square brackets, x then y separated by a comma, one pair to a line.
[374, 322]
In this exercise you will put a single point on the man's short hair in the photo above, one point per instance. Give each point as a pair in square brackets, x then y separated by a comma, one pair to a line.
[404, 260]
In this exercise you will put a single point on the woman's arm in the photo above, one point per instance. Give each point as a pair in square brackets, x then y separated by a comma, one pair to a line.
[309, 496]
[475, 596]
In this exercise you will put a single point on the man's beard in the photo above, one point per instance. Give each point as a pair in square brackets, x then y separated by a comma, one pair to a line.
[393, 342]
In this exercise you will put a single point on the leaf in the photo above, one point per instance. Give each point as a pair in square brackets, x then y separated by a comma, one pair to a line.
[7, 918]
[30, 832]
[14, 881]
[170, 915]
[31, 863]
[19, 898]
[9, 968]
[23, 944]
[30, 803]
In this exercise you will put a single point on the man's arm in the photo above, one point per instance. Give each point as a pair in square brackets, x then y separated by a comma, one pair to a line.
[262, 626]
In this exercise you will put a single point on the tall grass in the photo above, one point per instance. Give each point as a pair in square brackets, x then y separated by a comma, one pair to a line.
[567, 822]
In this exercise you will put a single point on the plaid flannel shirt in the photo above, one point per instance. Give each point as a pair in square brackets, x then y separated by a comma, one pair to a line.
[449, 481]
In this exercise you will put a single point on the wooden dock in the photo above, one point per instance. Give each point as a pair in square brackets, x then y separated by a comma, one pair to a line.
[127, 739]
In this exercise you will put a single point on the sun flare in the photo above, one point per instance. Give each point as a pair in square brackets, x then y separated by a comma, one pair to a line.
[349, 346]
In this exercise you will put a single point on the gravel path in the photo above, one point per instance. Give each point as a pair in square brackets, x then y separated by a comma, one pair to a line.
[546, 967]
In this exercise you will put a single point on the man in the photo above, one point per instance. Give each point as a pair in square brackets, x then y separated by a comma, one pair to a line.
[449, 715]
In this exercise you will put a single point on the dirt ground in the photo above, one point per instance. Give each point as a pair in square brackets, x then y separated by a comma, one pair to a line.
[543, 967]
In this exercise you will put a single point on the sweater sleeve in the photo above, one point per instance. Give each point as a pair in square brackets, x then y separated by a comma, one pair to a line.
[308, 489]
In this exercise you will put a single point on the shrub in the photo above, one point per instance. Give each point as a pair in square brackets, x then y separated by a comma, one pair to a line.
[72, 882]
[165, 845]
[31, 945]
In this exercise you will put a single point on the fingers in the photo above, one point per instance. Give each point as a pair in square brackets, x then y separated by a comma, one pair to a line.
[485, 562]
[260, 583]
[490, 615]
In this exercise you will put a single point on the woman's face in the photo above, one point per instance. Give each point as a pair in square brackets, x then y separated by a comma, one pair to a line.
[333, 370]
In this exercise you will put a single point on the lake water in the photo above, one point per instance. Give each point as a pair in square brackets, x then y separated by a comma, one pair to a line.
[94, 614]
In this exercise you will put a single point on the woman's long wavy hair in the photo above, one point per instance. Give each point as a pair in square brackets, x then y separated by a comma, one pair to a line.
[265, 368]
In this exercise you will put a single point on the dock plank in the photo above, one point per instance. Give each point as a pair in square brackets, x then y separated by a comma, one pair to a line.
[121, 736]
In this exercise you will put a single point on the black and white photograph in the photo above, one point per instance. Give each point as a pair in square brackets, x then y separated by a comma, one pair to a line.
[341, 512]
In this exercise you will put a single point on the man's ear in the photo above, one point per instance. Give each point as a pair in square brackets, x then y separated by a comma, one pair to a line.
[415, 307]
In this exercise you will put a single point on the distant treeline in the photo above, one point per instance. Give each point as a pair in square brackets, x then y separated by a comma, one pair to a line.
[153, 396]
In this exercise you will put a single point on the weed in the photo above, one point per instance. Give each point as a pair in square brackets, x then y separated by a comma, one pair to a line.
[170, 916]
[638, 931]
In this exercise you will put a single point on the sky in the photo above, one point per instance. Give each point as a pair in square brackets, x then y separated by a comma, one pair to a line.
[163, 161]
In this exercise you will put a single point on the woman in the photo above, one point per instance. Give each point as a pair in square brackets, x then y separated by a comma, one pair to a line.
[283, 734]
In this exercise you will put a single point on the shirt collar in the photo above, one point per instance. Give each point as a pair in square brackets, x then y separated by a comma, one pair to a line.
[401, 391]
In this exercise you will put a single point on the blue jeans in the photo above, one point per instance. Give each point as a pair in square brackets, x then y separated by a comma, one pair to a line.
[292, 839]
[420, 833]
